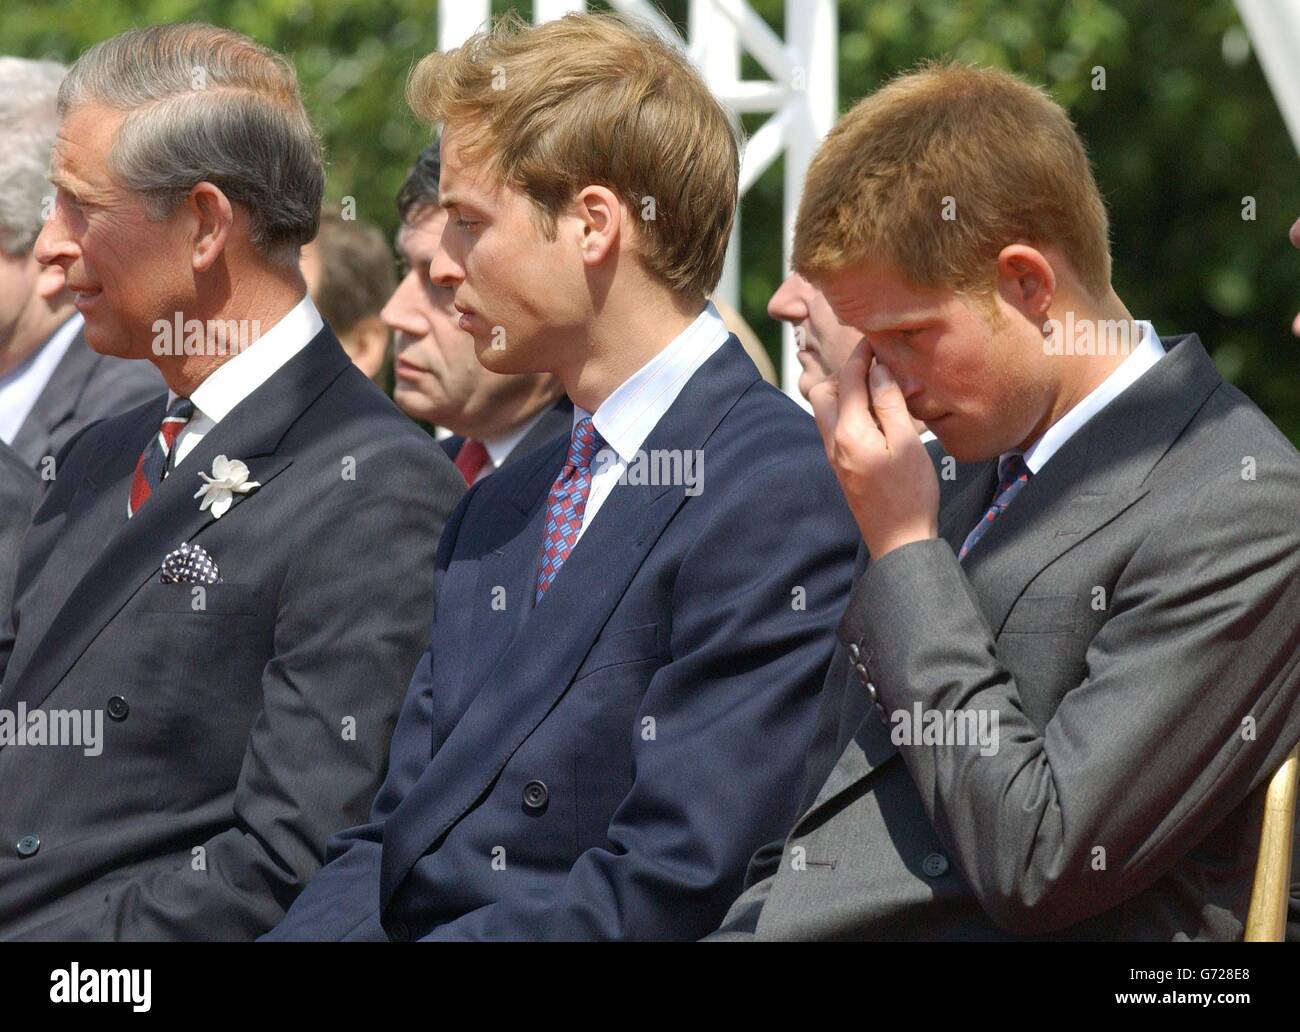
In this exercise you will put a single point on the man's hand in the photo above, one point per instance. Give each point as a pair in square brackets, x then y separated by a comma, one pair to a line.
[882, 466]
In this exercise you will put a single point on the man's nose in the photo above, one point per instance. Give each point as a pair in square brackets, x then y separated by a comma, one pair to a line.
[53, 245]
[786, 305]
[445, 269]
[401, 313]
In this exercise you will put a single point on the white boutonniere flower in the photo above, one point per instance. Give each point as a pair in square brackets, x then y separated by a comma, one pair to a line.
[229, 478]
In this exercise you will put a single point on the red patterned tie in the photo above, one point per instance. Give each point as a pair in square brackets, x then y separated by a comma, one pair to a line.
[566, 504]
[152, 467]
[471, 458]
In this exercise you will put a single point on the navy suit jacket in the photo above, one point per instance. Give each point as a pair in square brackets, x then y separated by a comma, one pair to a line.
[603, 765]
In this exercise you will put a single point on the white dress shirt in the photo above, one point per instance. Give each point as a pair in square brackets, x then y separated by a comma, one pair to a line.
[22, 385]
[627, 416]
[237, 378]
[1148, 352]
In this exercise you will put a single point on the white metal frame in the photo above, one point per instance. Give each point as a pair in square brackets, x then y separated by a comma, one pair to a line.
[801, 95]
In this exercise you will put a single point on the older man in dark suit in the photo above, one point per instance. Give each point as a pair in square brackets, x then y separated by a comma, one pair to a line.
[1069, 667]
[237, 574]
[51, 383]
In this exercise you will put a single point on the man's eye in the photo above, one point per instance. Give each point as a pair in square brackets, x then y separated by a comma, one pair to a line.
[463, 224]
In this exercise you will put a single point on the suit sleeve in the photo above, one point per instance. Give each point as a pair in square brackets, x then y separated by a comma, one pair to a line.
[1191, 701]
[753, 609]
[342, 899]
[350, 623]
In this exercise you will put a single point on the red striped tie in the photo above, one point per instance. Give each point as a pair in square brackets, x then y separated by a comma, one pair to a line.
[152, 467]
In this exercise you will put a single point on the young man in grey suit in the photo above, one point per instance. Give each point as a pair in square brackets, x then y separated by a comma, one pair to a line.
[51, 383]
[1072, 661]
[225, 589]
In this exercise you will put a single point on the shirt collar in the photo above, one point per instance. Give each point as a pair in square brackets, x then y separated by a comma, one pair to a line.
[624, 419]
[499, 448]
[1148, 352]
[238, 377]
[48, 355]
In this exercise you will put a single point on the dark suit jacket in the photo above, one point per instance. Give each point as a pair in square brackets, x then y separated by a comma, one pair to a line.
[1133, 620]
[85, 386]
[556, 420]
[245, 721]
[602, 766]
[17, 495]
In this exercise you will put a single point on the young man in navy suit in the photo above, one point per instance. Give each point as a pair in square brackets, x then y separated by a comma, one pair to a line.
[632, 626]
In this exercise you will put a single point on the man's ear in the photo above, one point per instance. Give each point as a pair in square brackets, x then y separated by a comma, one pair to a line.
[600, 215]
[1026, 281]
[212, 216]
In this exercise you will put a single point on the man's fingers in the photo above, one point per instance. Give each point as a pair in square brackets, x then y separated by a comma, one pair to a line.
[825, 405]
[856, 426]
[890, 407]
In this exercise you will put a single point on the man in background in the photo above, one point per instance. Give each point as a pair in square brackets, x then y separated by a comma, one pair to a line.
[17, 495]
[349, 274]
[824, 343]
[438, 378]
[51, 383]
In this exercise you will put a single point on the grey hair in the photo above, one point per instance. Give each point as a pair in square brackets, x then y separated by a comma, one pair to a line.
[208, 104]
[29, 120]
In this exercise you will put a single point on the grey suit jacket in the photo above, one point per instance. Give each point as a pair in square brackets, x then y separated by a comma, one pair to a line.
[242, 722]
[17, 495]
[1133, 621]
[85, 386]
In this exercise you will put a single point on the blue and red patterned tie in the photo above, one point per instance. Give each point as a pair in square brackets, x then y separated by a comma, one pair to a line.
[1015, 475]
[566, 503]
[151, 468]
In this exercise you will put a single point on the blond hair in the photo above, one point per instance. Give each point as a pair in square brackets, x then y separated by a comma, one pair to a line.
[595, 99]
[939, 170]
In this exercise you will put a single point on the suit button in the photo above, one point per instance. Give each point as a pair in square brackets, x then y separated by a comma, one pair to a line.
[28, 845]
[535, 795]
[117, 708]
[398, 931]
[935, 865]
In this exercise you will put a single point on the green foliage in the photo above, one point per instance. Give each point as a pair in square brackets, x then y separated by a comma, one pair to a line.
[1184, 130]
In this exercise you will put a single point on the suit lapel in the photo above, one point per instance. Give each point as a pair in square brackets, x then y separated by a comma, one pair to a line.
[509, 568]
[251, 431]
[57, 402]
[555, 637]
[1097, 474]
